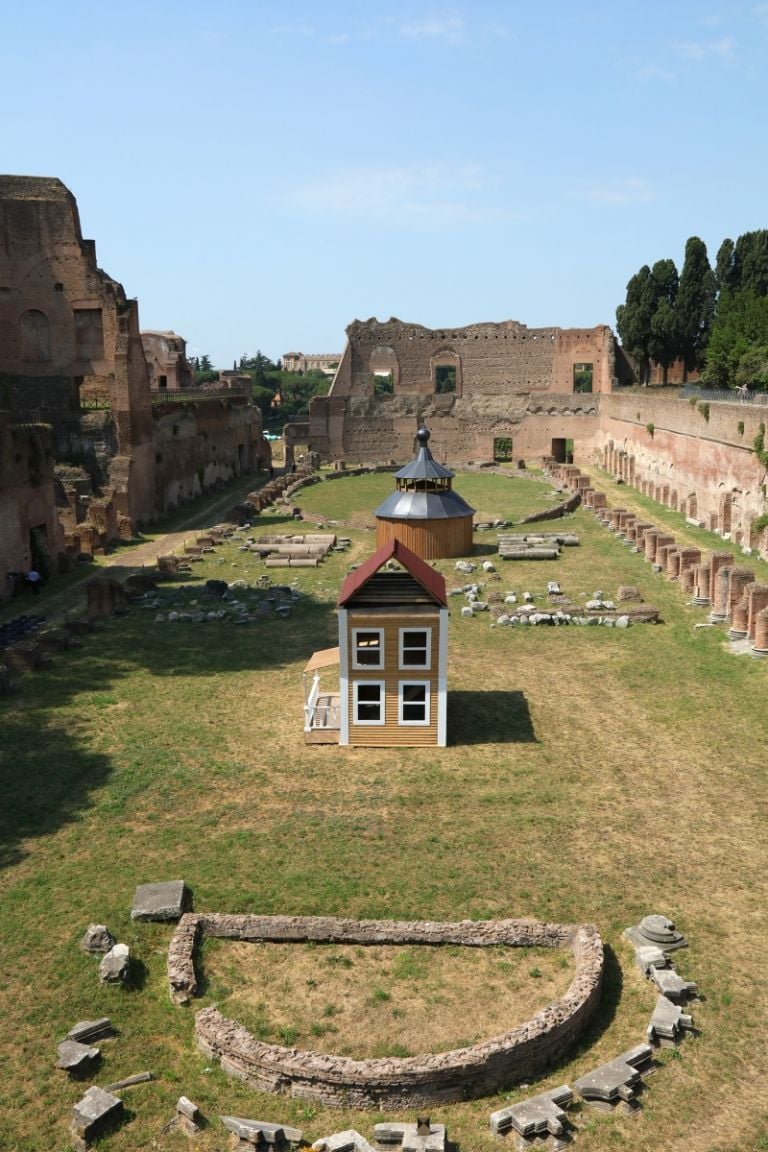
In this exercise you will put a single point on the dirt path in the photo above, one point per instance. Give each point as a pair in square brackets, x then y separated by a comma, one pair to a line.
[130, 558]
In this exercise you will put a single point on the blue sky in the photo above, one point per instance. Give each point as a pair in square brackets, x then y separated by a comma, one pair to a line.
[259, 174]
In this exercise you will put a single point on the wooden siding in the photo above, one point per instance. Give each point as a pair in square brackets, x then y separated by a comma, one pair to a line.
[429, 539]
[391, 734]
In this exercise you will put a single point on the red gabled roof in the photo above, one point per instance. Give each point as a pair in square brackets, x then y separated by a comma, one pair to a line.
[430, 580]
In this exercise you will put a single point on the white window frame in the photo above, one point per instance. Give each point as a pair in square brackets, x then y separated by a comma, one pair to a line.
[381, 684]
[403, 667]
[380, 633]
[426, 685]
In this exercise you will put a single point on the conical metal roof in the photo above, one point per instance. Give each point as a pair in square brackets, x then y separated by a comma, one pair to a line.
[424, 467]
[424, 497]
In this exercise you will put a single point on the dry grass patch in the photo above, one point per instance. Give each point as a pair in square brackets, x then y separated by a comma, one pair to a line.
[369, 1001]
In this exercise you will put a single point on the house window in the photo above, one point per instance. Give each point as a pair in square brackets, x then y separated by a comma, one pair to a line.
[413, 702]
[367, 648]
[415, 647]
[368, 698]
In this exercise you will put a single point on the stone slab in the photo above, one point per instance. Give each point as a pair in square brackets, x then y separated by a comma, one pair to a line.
[617, 1081]
[97, 1112]
[347, 1141]
[115, 966]
[419, 1137]
[537, 1116]
[162, 901]
[97, 939]
[77, 1059]
[259, 1132]
[86, 1031]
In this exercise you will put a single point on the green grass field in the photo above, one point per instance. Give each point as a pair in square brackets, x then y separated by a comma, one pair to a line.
[592, 775]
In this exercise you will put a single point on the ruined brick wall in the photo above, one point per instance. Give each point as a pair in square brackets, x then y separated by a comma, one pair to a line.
[166, 357]
[203, 444]
[67, 332]
[699, 462]
[27, 498]
[500, 371]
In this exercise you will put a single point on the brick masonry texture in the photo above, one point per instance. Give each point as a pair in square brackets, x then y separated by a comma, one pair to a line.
[390, 1083]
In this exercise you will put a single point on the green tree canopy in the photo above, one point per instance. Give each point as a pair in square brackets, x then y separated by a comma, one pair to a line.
[695, 305]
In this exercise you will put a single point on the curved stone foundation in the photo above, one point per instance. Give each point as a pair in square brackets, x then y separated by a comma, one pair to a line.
[417, 1081]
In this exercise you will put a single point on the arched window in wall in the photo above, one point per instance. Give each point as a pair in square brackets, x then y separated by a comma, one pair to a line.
[35, 336]
[384, 367]
[446, 371]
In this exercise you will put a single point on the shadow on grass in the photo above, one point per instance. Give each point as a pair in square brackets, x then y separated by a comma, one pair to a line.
[489, 718]
[46, 778]
[610, 1000]
[48, 773]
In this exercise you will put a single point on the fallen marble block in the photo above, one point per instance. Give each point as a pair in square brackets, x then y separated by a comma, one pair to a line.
[164, 901]
[656, 930]
[92, 1117]
[423, 1136]
[97, 940]
[539, 1116]
[115, 966]
[617, 1082]
[258, 1133]
[668, 1024]
[187, 1118]
[348, 1141]
[649, 956]
[86, 1031]
[77, 1059]
[671, 985]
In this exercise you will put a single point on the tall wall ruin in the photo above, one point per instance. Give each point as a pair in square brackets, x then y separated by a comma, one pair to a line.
[497, 374]
[72, 366]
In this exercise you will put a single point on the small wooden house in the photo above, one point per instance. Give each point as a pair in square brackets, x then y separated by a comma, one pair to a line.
[393, 652]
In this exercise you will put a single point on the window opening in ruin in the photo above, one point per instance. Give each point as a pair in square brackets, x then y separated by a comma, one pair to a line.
[35, 335]
[558, 450]
[582, 377]
[569, 451]
[445, 378]
[89, 334]
[502, 447]
[38, 549]
[383, 383]
[162, 381]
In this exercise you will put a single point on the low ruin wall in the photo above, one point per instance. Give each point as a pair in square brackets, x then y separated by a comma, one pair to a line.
[390, 1083]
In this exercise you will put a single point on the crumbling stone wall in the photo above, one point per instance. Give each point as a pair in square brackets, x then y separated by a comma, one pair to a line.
[204, 444]
[500, 371]
[482, 1069]
[167, 364]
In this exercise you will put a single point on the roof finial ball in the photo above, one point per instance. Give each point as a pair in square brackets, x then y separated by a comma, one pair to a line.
[423, 434]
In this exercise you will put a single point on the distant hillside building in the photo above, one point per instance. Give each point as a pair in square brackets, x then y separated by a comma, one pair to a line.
[304, 362]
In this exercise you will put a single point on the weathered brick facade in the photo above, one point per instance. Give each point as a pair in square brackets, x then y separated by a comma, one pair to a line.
[72, 360]
[501, 373]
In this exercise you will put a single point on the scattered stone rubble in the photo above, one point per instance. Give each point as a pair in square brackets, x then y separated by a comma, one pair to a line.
[97, 940]
[423, 1136]
[116, 965]
[259, 1133]
[617, 1083]
[78, 1060]
[348, 1141]
[98, 1113]
[535, 1119]
[187, 1118]
[87, 1031]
